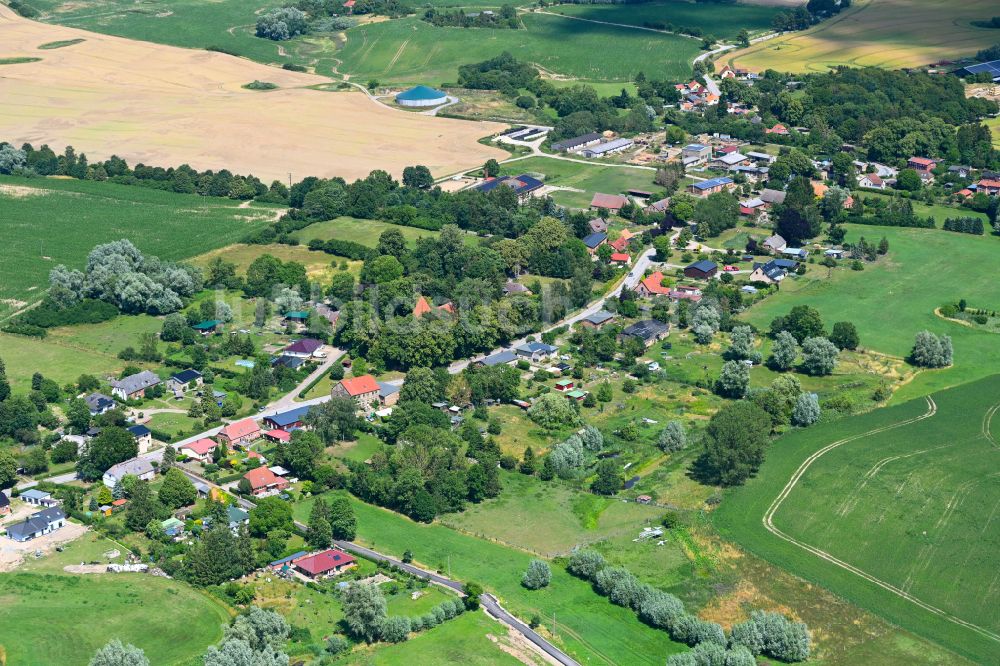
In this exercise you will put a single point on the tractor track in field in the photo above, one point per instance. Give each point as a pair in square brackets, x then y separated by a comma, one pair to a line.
[768, 521]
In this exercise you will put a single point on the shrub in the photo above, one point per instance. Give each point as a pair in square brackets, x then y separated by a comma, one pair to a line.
[773, 635]
[585, 564]
[537, 576]
[395, 629]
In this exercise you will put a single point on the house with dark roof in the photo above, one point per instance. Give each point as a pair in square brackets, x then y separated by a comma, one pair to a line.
[594, 241]
[207, 326]
[704, 188]
[773, 271]
[38, 524]
[321, 565]
[536, 351]
[143, 437]
[596, 319]
[523, 185]
[771, 197]
[138, 467]
[290, 362]
[185, 379]
[702, 270]
[293, 418]
[648, 331]
[577, 142]
[134, 386]
[388, 394]
[4, 504]
[304, 348]
[504, 357]
[98, 403]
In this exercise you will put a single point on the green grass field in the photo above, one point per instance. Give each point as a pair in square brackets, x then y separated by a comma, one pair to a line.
[927, 486]
[590, 178]
[588, 626]
[80, 214]
[365, 232]
[52, 617]
[725, 24]
[895, 298]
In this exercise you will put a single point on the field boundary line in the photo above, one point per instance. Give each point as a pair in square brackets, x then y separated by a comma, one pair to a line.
[987, 423]
[768, 521]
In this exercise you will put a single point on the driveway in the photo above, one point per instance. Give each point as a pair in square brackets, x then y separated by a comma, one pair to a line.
[12, 553]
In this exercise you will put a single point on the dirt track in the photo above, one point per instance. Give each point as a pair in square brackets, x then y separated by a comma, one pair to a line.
[167, 106]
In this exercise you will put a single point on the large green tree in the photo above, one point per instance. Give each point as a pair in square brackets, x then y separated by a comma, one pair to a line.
[735, 441]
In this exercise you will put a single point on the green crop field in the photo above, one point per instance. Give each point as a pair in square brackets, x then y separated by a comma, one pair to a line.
[589, 178]
[413, 51]
[895, 298]
[52, 617]
[893, 510]
[78, 215]
[725, 24]
[588, 626]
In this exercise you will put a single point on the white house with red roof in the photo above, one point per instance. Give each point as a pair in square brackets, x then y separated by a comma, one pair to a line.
[240, 433]
[871, 181]
[200, 450]
[364, 390]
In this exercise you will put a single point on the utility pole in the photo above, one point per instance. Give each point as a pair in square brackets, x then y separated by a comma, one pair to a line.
[289, 180]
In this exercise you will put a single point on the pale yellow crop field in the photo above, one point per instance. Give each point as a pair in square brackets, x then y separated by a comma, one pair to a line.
[879, 33]
[167, 106]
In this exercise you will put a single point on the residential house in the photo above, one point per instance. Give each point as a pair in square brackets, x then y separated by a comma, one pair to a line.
[753, 174]
[961, 170]
[598, 225]
[648, 331]
[264, 482]
[774, 244]
[237, 517]
[752, 207]
[278, 436]
[4, 503]
[185, 379]
[200, 450]
[773, 271]
[608, 148]
[134, 386]
[762, 158]
[143, 437]
[683, 292]
[619, 258]
[289, 420]
[727, 160]
[304, 348]
[98, 403]
[388, 394]
[871, 181]
[610, 202]
[695, 153]
[990, 186]
[363, 390]
[321, 565]
[328, 313]
[286, 563]
[660, 206]
[505, 357]
[795, 252]
[138, 467]
[290, 362]
[922, 165]
[207, 326]
[423, 307]
[778, 129]
[702, 270]
[515, 288]
[772, 197]
[38, 524]
[37, 497]
[577, 142]
[704, 188]
[596, 320]
[536, 351]
[594, 241]
[240, 433]
[652, 285]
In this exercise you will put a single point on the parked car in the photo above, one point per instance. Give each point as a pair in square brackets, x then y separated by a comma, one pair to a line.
[730, 269]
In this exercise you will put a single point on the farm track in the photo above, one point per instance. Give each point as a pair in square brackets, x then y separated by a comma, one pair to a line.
[768, 521]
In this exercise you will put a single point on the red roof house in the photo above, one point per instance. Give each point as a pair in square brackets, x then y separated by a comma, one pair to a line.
[621, 244]
[650, 286]
[364, 390]
[611, 202]
[989, 185]
[423, 307]
[924, 164]
[278, 435]
[265, 482]
[240, 433]
[620, 258]
[778, 129]
[327, 563]
[200, 450]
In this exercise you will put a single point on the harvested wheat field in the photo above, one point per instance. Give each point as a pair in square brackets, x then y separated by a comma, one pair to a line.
[878, 33]
[168, 106]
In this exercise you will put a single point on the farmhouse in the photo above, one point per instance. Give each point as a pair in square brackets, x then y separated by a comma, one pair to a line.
[39, 524]
[239, 433]
[185, 379]
[648, 331]
[704, 188]
[139, 467]
[702, 270]
[536, 351]
[610, 202]
[200, 450]
[608, 148]
[596, 320]
[134, 386]
[143, 437]
[577, 142]
[304, 348]
[38, 498]
[264, 482]
[992, 68]
[364, 390]
[293, 418]
[652, 285]
[421, 96]
[327, 563]
[98, 403]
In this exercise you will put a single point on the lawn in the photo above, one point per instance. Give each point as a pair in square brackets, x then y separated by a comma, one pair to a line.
[918, 484]
[722, 24]
[994, 125]
[410, 50]
[63, 618]
[550, 518]
[871, 33]
[319, 265]
[895, 298]
[590, 178]
[365, 232]
[80, 214]
[588, 626]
